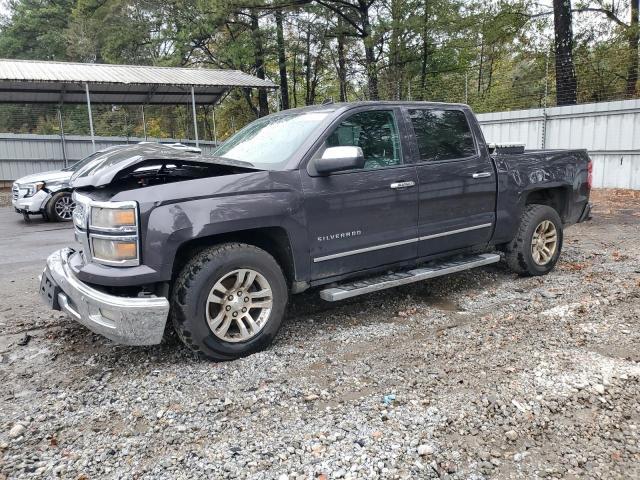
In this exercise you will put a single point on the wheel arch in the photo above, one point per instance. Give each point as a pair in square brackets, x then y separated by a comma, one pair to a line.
[555, 197]
[274, 240]
[51, 194]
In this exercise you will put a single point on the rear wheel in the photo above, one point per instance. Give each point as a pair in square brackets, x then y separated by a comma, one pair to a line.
[229, 301]
[538, 242]
[60, 207]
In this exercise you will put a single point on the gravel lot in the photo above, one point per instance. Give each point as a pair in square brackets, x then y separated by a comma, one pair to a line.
[478, 375]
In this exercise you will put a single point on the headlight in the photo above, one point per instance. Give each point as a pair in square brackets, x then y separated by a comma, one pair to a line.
[33, 188]
[117, 251]
[114, 218]
[111, 235]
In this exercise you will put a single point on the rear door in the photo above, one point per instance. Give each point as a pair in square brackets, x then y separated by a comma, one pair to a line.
[368, 217]
[457, 182]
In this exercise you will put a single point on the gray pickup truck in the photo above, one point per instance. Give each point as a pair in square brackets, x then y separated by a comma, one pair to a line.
[346, 198]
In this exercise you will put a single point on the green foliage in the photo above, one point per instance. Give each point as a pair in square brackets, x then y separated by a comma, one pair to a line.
[492, 55]
[35, 29]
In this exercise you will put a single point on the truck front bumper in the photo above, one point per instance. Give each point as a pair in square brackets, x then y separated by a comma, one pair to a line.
[126, 320]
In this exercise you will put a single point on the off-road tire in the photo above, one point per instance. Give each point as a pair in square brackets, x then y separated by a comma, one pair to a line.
[518, 252]
[192, 287]
[50, 210]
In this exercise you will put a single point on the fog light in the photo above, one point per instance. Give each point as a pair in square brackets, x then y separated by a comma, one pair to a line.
[112, 315]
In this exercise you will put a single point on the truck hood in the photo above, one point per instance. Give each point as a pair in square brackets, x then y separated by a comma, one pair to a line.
[147, 164]
[51, 176]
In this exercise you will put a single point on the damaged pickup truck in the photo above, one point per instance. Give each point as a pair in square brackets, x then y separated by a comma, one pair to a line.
[349, 198]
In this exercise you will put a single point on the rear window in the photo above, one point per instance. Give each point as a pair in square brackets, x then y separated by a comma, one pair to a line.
[442, 134]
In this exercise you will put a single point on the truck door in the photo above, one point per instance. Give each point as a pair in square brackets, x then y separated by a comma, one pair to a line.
[457, 181]
[368, 217]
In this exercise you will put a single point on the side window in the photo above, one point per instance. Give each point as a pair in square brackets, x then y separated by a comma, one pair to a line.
[442, 134]
[375, 132]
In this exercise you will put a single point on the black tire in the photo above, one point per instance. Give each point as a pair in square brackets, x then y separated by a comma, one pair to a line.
[518, 252]
[53, 212]
[192, 288]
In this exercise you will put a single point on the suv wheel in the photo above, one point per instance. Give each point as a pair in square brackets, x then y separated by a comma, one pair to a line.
[229, 301]
[60, 207]
[536, 247]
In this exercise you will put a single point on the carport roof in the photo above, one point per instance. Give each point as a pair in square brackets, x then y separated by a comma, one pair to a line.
[26, 81]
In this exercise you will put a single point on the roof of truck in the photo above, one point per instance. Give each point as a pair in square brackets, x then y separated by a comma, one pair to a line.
[332, 107]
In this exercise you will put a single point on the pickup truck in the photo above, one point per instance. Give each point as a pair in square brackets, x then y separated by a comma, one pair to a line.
[346, 198]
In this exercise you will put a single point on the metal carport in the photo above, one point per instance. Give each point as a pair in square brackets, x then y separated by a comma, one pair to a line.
[27, 81]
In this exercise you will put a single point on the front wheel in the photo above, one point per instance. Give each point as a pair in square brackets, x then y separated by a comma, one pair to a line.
[229, 301]
[60, 207]
[536, 247]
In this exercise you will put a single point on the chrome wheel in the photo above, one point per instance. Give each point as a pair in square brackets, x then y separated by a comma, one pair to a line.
[544, 242]
[64, 207]
[239, 305]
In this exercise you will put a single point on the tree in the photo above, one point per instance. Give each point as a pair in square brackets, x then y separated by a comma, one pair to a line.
[566, 84]
[356, 14]
[34, 29]
[634, 39]
[630, 31]
[282, 60]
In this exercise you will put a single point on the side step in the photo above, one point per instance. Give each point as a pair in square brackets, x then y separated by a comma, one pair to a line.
[373, 284]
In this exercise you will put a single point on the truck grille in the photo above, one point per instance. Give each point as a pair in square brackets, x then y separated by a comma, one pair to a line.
[15, 191]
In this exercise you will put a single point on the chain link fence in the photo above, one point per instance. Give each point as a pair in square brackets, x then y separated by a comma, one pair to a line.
[148, 121]
[534, 83]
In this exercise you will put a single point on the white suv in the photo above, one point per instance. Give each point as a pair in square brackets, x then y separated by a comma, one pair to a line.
[49, 194]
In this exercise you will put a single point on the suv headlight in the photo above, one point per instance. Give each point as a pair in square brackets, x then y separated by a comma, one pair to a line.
[32, 188]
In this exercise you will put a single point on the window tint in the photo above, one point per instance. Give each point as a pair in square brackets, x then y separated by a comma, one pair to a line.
[442, 134]
[375, 132]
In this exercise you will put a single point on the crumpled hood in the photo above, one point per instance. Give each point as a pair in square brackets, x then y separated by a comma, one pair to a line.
[50, 176]
[102, 169]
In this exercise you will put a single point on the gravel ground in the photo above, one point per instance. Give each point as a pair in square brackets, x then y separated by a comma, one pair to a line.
[477, 375]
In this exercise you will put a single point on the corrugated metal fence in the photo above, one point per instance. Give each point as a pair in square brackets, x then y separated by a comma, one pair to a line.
[23, 154]
[609, 130]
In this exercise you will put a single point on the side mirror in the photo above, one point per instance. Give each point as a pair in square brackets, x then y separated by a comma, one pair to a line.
[337, 159]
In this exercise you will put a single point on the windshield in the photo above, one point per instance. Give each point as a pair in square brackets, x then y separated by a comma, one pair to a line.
[83, 162]
[269, 142]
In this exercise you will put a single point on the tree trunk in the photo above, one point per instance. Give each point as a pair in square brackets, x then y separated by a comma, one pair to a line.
[395, 43]
[282, 61]
[246, 93]
[634, 38]
[294, 76]
[342, 62]
[566, 84]
[263, 105]
[369, 53]
[425, 52]
[307, 65]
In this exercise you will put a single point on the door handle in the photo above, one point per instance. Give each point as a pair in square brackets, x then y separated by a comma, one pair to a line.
[481, 175]
[396, 185]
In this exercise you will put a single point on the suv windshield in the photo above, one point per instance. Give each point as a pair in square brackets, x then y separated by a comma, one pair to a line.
[269, 142]
[83, 162]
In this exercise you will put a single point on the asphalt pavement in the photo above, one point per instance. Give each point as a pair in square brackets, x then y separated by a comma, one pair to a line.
[24, 246]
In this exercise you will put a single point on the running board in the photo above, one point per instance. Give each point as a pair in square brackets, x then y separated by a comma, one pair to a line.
[394, 279]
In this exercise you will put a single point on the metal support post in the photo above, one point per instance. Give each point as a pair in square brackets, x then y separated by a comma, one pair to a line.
[215, 132]
[93, 140]
[144, 125]
[195, 121]
[62, 141]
